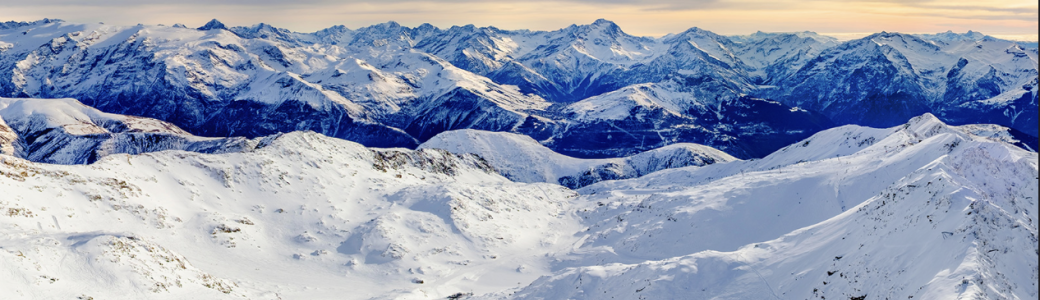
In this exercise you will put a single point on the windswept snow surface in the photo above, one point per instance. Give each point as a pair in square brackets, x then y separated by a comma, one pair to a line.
[303, 216]
[924, 209]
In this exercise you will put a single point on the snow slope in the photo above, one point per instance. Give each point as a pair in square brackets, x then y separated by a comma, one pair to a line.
[64, 131]
[924, 210]
[302, 211]
[8, 138]
[683, 108]
[209, 80]
[777, 55]
[885, 78]
[522, 159]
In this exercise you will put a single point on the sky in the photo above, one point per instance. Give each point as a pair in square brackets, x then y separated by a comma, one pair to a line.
[845, 19]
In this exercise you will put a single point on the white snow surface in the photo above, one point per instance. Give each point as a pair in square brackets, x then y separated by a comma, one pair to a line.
[924, 210]
[222, 65]
[521, 158]
[74, 117]
[932, 60]
[306, 216]
[789, 51]
[946, 216]
[65, 131]
[635, 101]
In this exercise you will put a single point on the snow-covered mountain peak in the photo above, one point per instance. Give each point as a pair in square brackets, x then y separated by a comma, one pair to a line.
[335, 35]
[64, 131]
[604, 22]
[950, 36]
[954, 224]
[716, 46]
[630, 102]
[759, 36]
[213, 24]
[521, 158]
[469, 28]
[606, 27]
[901, 40]
[928, 125]
[875, 159]
[695, 33]
[389, 35]
[775, 56]
[412, 77]
[517, 157]
[309, 143]
[899, 48]
[602, 41]
[16, 24]
[75, 118]
[852, 140]
[267, 32]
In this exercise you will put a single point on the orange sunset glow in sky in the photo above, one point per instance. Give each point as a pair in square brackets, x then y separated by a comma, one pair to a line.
[1015, 20]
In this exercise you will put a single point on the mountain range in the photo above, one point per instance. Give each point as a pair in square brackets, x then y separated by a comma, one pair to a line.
[589, 91]
[388, 162]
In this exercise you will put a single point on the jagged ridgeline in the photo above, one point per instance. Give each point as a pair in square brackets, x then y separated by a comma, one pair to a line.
[586, 90]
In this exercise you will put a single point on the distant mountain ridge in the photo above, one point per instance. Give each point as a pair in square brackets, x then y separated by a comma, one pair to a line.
[64, 131]
[389, 85]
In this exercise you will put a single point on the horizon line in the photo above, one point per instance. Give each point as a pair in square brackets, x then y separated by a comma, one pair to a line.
[839, 36]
